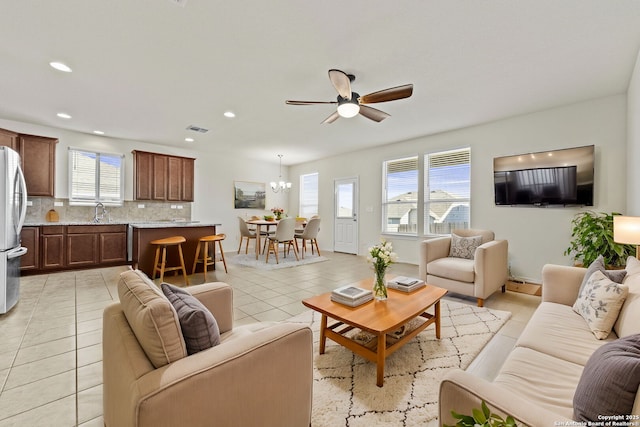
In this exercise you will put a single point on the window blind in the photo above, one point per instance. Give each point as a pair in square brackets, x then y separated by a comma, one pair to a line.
[95, 177]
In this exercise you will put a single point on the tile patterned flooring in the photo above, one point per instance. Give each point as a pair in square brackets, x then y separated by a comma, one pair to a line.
[51, 354]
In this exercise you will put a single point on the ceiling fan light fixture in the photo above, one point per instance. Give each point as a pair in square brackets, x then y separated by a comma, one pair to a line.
[348, 109]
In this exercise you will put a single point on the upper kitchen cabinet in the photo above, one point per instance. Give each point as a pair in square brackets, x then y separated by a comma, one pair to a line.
[38, 156]
[162, 177]
[9, 139]
[37, 159]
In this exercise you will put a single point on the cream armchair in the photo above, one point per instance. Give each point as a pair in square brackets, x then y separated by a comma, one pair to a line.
[479, 277]
[259, 374]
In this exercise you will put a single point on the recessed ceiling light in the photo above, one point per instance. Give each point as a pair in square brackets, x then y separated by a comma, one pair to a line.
[63, 115]
[189, 139]
[229, 114]
[60, 66]
[98, 132]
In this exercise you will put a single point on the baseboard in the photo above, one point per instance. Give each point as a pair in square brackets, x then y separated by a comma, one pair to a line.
[524, 287]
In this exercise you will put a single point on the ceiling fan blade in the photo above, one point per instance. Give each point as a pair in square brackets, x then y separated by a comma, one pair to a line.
[341, 82]
[332, 118]
[385, 95]
[373, 114]
[310, 102]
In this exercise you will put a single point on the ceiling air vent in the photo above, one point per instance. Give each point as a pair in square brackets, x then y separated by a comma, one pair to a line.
[197, 129]
[181, 3]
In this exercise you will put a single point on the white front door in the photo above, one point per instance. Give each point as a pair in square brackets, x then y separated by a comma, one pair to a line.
[346, 216]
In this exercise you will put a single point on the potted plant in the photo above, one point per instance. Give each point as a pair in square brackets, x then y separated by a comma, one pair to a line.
[592, 235]
[482, 418]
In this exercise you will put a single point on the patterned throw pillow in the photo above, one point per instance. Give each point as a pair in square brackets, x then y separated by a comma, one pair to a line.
[464, 247]
[199, 327]
[599, 303]
[598, 265]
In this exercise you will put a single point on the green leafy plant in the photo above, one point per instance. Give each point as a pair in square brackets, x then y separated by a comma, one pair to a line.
[482, 418]
[592, 235]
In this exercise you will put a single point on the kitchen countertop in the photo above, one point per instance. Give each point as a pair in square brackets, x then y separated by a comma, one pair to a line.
[135, 224]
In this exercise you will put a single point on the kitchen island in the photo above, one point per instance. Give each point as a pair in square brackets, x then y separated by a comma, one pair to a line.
[143, 254]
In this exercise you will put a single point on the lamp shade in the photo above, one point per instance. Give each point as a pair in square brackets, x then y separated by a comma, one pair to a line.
[626, 229]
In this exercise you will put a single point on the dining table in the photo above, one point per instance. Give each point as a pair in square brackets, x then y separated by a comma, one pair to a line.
[259, 223]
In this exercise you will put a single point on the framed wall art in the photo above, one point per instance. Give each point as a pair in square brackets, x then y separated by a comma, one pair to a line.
[249, 195]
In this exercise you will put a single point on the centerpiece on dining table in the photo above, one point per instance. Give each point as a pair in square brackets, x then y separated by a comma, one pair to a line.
[381, 256]
[278, 213]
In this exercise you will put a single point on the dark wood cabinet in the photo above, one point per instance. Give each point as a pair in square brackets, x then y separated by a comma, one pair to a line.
[82, 246]
[187, 179]
[159, 177]
[162, 177]
[57, 247]
[38, 156]
[37, 159]
[174, 178]
[143, 173]
[30, 239]
[53, 247]
[9, 139]
[113, 247]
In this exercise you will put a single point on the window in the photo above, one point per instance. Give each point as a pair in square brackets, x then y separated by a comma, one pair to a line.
[308, 195]
[447, 190]
[95, 177]
[400, 198]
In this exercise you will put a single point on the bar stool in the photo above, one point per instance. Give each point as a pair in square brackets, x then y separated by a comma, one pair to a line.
[161, 244]
[206, 259]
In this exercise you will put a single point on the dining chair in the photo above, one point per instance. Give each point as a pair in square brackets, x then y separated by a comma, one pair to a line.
[309, 233]
[285, 234]
[245, 233]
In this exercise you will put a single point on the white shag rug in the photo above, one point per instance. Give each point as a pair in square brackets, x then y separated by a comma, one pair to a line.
[249, 260]
[344, 386]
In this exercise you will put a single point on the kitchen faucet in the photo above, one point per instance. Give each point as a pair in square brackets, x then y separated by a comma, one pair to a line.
[96, 217]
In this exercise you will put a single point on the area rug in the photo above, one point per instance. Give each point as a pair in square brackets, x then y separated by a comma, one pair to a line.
[344, 384]
[250, 260]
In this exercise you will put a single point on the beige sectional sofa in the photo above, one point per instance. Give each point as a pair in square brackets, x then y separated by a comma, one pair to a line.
[259, 374]
[537, 382]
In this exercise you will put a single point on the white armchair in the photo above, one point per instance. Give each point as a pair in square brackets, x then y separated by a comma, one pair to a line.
[479, 277]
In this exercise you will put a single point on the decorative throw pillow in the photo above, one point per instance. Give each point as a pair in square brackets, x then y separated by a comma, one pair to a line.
[152, 318]
[199, 327]
[598, 265]
[609, 381]
[464, 247]
[599, 303]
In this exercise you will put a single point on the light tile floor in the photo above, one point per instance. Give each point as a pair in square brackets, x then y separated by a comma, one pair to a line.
[50, 348]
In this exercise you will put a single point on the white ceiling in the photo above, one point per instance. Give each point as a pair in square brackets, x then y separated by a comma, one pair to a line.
[146, 69]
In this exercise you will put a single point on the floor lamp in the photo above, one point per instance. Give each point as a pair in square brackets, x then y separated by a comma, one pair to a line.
[626, 230]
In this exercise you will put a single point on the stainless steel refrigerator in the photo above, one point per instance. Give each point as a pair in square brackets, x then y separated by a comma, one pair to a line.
[13, 208]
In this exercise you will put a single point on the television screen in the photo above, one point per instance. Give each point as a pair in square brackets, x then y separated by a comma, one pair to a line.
[558, 177]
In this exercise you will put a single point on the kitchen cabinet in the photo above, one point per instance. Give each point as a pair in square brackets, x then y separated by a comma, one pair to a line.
[30, 239]
[58, 247]
[9, 139]
[37, 159]
[38, 156]
[82, 246]
[162, 177]
[53, 247]
[187, 179]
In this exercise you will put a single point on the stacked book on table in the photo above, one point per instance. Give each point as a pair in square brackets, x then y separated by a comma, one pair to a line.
[352, 296]
[405, 284]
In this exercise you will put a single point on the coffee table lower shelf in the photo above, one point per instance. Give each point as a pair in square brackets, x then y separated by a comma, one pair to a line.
[382, 347]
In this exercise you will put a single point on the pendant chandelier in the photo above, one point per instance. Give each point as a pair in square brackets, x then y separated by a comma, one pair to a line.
[279, 186]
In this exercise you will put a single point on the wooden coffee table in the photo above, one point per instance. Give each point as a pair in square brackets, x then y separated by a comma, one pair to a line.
[379, 318]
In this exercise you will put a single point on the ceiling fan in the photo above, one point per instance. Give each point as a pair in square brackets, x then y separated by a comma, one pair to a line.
[351, 104]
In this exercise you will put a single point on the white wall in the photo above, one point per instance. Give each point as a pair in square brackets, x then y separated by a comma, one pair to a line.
[214, 175]
[633, 142]
[536, 235]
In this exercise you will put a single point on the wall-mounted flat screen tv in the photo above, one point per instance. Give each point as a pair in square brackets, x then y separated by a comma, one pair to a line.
[548, 178]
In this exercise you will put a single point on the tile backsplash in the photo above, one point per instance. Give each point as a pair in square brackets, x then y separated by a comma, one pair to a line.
[131, 211]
